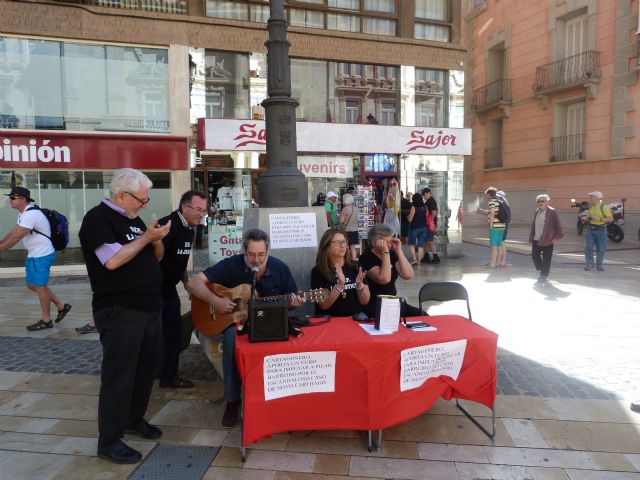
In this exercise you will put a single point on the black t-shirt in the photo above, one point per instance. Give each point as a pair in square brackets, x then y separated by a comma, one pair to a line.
[369, 260]
[137, 283]
[342, 307]
[405, 208]
[432, 205]
[177, 248]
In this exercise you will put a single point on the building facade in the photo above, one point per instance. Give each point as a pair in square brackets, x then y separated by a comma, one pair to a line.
[125, 70]
[553, 100]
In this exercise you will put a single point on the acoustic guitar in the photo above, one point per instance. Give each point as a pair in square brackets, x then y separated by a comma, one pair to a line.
[210, 323]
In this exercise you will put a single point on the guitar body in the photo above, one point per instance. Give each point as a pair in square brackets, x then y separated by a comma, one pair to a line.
[211, 323]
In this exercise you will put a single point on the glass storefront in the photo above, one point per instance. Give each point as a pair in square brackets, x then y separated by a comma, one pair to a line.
[83, 87]
[71, 193]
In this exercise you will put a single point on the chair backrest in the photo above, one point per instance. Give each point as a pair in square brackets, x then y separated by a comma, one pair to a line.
[443, 292]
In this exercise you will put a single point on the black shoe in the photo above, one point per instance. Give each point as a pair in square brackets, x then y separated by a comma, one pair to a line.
[63, 312]
[231, 414]
[176, 382]
[436, 259]
[426, 259]
[40, 325]
[144, 429]
[118, 452]
[635, 406]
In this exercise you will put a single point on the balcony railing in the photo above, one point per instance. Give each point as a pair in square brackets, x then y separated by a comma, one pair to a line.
[568, 72]
[493, 157]
[570, 147]
[163, 6]
[490, 95]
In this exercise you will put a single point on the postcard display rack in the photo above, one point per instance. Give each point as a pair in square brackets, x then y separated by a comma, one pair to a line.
[365, 205]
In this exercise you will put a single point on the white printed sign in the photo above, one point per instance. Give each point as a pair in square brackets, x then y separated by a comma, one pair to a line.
[297, 373]
[293, 230]
[224, 242]
[325, 167]
[419, 364]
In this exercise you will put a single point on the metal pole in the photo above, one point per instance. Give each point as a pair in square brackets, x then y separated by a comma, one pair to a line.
[282, 184]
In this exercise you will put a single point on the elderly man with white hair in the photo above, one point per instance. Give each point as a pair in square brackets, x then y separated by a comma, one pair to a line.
[122, 256]
[545, 232]
[599, 215]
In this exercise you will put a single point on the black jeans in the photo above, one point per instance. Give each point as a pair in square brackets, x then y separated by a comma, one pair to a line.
[130, 356]
[171, 338]
[541, 257]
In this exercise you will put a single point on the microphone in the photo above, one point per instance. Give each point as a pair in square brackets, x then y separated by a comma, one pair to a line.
[254, 273]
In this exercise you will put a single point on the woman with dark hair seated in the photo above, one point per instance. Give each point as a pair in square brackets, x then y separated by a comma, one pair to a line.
[336, 271]
[384, 262]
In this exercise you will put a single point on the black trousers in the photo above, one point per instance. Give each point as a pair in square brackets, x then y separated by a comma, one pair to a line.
[541, 257]
[130, 355]
[171, 338]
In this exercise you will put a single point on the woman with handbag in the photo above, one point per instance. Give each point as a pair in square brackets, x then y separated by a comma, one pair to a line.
[418, 219]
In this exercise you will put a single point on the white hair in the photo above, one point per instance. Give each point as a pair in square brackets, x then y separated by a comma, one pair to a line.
[543, 196]
[128, 180]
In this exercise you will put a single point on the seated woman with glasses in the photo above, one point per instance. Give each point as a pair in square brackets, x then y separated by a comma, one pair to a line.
[336, 271]
[384, 262]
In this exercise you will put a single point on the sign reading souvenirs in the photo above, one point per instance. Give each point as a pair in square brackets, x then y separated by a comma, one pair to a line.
[234, 135]
[24, 150]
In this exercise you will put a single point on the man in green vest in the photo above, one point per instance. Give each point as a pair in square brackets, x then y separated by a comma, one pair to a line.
[599, 216]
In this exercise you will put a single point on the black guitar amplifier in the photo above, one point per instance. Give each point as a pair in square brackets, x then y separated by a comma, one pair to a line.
[268, 321]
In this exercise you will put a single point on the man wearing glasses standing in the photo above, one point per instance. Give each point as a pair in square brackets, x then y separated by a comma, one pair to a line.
[545, 232]
[177, 248]
[273, 277]
[34, 230]
[122, 256]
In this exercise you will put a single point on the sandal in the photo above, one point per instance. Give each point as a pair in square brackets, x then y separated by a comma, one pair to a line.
[40, 325]
[63, 312]
[88, 328]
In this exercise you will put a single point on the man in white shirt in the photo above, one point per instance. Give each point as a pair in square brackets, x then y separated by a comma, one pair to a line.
[34, 230]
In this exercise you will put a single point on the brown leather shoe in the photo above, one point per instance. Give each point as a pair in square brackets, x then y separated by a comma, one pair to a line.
[231, 414]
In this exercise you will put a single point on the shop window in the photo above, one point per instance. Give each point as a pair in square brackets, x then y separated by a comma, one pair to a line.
[306, 18]
[379, 26]
[380, 162]
[72, 86]
[226, 9]
[386, 6]
[344, 23]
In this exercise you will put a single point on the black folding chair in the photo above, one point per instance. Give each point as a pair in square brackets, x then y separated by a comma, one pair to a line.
[444, 292]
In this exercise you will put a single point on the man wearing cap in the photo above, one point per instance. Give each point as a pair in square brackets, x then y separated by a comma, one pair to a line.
[330, 207]
[34, 230]
[599, 216]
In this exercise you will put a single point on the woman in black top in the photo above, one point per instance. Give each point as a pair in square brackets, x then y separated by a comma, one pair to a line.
[336, 271]
[418, 220]
[384, 262]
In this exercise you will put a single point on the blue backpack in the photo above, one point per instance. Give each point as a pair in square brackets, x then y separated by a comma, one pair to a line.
[59, 228]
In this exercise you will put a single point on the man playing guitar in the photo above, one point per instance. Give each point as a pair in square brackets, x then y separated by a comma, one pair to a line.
[272, 277]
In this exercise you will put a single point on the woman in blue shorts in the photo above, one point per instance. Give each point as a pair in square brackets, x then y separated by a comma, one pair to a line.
[418, 219]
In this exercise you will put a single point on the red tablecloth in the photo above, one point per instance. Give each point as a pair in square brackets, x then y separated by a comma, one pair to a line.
[367, 392]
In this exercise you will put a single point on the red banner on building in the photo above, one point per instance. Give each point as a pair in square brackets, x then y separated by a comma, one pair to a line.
[90, 151]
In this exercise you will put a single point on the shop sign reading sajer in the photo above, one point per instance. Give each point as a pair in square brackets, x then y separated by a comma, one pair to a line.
[29, 150]
[250, 135]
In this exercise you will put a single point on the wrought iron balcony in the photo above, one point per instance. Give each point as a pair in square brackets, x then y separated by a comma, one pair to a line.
[581, 69]
[163, 6]
[570, 147]
[493, 157]
[491, 95]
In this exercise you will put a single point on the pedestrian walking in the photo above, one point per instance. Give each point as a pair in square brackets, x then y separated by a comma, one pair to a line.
[599, 215]
[504, 205]
[122, 255]
[34, 230]
[546, 231]
[418, 224]
[496, 225]
[349, 222]
[430, 250]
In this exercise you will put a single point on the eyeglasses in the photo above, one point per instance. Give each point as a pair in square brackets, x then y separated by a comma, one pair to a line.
[142, 202]
[541, 201]
[339, 243]
[256, 255]
[199, 211]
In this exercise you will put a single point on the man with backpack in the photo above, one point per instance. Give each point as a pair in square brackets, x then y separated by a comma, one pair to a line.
[34, 229]
[599, 216]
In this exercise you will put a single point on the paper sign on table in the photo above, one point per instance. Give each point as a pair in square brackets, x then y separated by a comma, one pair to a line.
[419, 364]
[388, 317]
[297, 373]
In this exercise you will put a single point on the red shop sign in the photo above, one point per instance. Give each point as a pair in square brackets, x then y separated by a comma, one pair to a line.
[87, 151]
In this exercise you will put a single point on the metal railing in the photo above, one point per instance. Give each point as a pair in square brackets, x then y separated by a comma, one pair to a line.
[491, 94]
[493, 157]
[569, 147]
[568, 71]
[163, 6]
